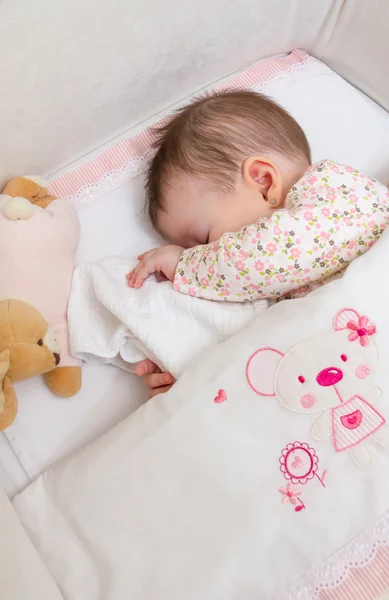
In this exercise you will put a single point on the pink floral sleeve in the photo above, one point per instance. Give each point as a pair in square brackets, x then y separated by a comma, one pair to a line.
[332, 215]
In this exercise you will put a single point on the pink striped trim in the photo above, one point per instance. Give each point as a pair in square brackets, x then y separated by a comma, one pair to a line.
[363, 583]
[138, 147]
[358, 571]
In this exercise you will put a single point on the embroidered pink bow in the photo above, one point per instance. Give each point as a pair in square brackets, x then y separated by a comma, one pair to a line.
[360, 330]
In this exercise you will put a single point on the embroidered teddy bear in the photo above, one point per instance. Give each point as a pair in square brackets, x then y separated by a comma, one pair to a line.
[330, 373]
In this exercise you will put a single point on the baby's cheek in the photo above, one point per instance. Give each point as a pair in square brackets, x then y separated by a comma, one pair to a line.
[362, 371]
[307, 401]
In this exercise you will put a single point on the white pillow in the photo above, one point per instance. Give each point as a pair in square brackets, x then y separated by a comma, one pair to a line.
[340, 122]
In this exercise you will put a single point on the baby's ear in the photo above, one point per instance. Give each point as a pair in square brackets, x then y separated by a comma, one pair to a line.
[8, 401]
[261, 369]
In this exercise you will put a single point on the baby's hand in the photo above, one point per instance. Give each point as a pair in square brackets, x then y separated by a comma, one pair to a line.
[156, 381]
[162, 261]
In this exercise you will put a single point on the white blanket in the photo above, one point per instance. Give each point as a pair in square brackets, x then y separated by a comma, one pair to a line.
[262, 474]
[111, 323]
[23, 575]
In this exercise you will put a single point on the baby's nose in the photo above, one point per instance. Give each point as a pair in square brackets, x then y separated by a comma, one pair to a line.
[329, 376]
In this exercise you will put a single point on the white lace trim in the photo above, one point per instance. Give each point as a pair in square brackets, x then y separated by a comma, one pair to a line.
[135, 166]
[333, 572]
[283, 75]
[111, 180]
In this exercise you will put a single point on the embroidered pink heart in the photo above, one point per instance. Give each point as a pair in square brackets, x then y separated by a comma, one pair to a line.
[221, 397]
[352, 421]
[296, 464]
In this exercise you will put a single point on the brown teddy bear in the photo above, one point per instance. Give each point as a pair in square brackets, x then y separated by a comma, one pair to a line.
[27, 347]
[39, 236]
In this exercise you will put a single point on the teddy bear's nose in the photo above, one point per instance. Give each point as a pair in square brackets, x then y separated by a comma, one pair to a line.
[329, 376]
[56, 358]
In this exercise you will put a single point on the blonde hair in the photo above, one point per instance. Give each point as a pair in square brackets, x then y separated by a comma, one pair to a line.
[212, 137]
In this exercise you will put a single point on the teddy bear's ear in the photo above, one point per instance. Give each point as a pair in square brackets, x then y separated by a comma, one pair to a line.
[8, 401]
[32, 188]
[261, 369]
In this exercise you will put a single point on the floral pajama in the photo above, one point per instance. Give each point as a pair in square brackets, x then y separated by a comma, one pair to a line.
[332, 214]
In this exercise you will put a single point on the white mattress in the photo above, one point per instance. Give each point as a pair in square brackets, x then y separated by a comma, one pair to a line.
[340, 122]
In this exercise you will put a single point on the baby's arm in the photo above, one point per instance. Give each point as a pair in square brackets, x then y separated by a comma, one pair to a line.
[265, 260]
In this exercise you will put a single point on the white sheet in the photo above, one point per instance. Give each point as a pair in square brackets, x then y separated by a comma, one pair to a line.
[340, 122]
[13, 478]
[184, 498]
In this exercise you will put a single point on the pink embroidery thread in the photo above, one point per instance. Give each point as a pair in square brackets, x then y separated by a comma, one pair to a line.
[248, 370]
[299, 463]
[221, 397]
[343, 317]
[308, 400]
[362, 371]
[351, 419]
[291, 496]
[361, 330]
[367, 421]
[329, 376]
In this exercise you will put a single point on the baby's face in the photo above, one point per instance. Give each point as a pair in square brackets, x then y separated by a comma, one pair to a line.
[195, 214]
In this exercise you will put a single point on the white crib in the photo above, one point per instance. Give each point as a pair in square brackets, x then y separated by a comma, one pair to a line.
[76, 75]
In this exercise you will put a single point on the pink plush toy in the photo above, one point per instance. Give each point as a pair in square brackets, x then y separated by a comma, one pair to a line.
[38, 242]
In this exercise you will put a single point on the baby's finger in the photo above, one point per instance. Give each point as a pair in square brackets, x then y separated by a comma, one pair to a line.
[146, 366]
[156, 380]
[145, 268]
[133, 275]
[130, 277]
[160, 390]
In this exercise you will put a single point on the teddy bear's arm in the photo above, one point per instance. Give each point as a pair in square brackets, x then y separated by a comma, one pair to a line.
[322, 426]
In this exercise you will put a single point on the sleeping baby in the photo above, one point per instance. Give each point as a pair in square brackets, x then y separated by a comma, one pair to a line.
[248, 217]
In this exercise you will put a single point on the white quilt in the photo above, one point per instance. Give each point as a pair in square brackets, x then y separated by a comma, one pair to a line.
[22, 573]
[262, 474]
[111, 323]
